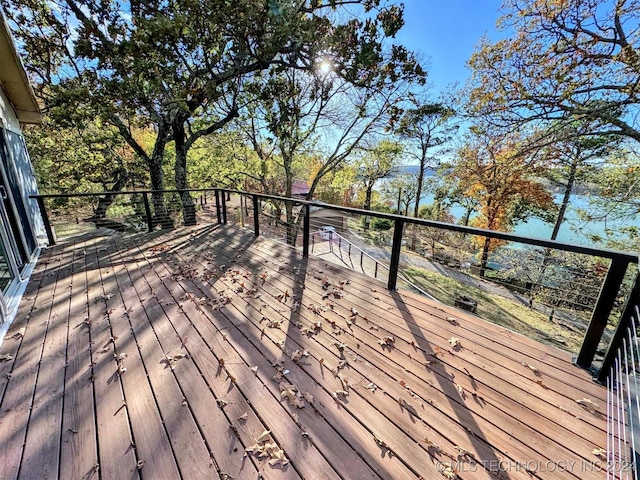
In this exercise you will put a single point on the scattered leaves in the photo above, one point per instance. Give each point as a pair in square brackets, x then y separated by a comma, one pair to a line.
[292, 394]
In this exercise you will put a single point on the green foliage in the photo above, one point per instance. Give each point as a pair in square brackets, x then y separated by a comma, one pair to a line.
[381, 224]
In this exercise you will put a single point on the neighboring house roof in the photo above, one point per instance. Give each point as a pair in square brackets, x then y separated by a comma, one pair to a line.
[299, 187]
[14, 80]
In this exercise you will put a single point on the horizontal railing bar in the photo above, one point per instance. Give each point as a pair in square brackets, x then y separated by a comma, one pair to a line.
[596, 252]
[582, 249]
[124, 192]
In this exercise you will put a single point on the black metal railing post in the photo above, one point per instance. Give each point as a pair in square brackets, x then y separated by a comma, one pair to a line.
[218, 206]
[256, 215]
[305, 230]
[395, 254]
[45, 220]
[224, 208]
[147, 211]
[602, 310]
[630, 309]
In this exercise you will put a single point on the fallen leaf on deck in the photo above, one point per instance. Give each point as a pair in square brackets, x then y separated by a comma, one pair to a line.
[589, 405]
[600, 452]
[339, 393]
[530, 367]
[254, 370]
[452, 321]
[5, 357]
[386, 341]
[243, 417]
[432, 445]
[459, 388]
[541, 383]
[463, 452]
[354, 312]
[454, 342]
[308, 397]
[447, 470]
[19, 334]
[140, 464]
[291, 393]
[222, 403]
[372, 386]
[264, 436]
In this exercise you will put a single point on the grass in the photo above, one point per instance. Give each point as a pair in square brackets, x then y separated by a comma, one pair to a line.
[499, 310]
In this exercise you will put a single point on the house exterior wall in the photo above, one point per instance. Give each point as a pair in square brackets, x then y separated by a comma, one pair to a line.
[8, 119]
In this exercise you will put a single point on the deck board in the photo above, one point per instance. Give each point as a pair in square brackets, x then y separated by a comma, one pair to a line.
[231, 303]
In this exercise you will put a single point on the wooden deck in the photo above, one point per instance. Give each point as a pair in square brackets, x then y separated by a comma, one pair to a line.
[205, 353]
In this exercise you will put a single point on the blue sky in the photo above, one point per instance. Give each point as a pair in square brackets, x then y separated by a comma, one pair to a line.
[445, 32]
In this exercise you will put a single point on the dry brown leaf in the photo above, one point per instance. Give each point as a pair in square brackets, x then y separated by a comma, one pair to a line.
[459, 388]
[589, 405]
[600, 452]
[264, 436]
[243, 417]
[530, 367]
[19, 334]
[463, 452]
[432, 445]
[308, 397]
[454, 342]
[448, 471]
[5, 357]
[372, 386]
[387, 341]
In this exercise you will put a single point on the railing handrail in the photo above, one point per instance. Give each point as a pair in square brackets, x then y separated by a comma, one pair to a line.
[511, 237]
[602, 310]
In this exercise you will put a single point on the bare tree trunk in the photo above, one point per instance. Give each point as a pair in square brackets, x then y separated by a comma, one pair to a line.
[485, 256]
[180, 172]
[565, 200]
[105, 202]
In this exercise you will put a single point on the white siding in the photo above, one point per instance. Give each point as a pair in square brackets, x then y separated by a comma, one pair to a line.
[8, 118]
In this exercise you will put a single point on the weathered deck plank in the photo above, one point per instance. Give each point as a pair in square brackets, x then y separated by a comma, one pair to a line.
[79, 454]
[116, 449]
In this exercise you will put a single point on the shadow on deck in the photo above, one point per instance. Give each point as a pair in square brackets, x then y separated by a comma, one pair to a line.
[204, 352]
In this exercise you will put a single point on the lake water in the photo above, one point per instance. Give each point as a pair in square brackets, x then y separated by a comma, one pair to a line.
[535, 227]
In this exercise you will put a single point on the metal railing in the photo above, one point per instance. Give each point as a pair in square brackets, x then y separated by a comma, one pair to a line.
[620, 371]
[289, 219]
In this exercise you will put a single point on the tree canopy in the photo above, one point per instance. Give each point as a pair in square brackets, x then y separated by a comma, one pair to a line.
[566, 60]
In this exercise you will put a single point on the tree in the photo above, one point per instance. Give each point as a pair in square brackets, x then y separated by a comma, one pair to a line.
[504, 184]
[426, 127]
[567, 61]
[89, 158]
[179, 67]
[377, 163]
[572, 160]
[401, 190]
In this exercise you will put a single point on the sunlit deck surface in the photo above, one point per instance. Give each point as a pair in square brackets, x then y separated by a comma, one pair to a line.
[168, 355]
